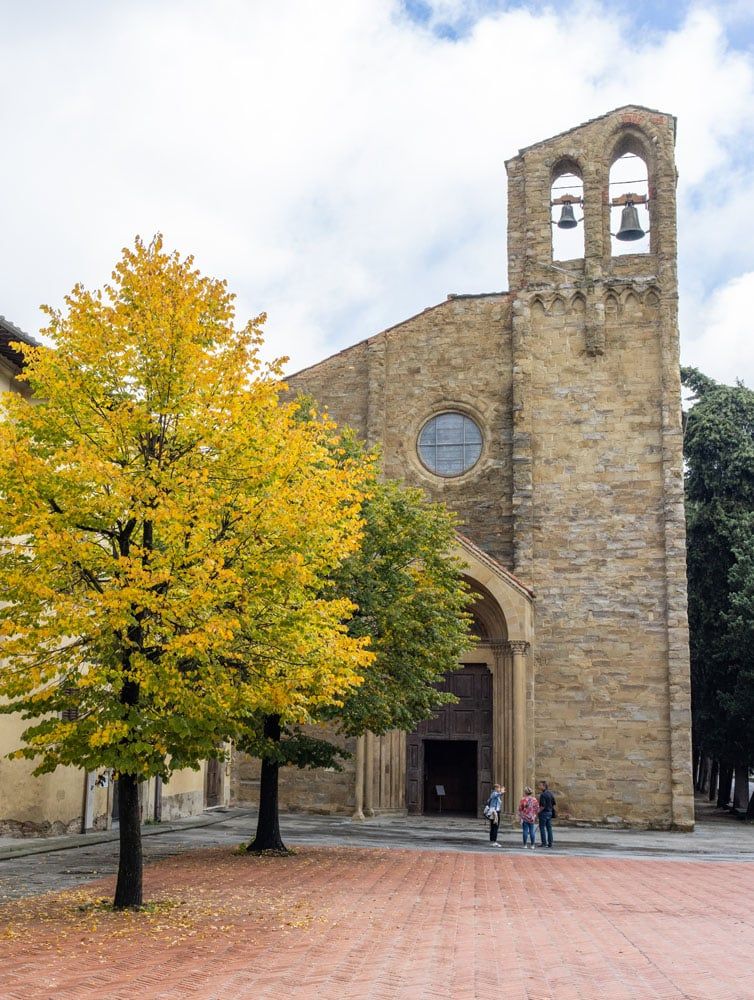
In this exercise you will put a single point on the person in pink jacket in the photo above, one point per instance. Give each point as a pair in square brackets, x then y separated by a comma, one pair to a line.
[528, 808]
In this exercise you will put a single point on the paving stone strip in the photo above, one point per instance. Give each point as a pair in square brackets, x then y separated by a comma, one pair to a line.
[387, 924]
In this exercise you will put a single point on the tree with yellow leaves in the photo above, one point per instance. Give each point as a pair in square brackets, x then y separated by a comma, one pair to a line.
[410, 602]
[163, 512]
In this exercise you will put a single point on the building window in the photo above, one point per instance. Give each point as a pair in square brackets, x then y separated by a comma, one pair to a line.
[450, 444]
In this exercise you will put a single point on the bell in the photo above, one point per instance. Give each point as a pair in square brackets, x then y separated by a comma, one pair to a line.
[629, 225]
[567, 219]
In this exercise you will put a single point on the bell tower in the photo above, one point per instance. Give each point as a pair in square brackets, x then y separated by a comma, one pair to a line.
[590, 151]
[597, 462]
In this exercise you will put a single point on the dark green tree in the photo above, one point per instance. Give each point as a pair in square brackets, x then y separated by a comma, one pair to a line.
[719, 453]
[410, 601]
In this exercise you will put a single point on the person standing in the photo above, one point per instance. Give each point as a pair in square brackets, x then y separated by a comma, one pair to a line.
[492, 811]
[546, 812]
[528, 808]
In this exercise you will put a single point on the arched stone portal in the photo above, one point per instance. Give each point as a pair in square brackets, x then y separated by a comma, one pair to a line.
[483, 738]
[504, 611]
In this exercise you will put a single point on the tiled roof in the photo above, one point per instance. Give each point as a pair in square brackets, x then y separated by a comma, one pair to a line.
[10, 333]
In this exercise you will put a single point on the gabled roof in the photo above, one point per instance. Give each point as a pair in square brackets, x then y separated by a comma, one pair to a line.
[494, 565]
[514, 600]
[10, 333]
[599, 118]
[396, 326]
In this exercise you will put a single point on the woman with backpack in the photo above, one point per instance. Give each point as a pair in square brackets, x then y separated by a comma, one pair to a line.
[492, 811]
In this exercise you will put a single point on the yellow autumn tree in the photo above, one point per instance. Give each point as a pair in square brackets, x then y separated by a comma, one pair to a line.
[162, 512]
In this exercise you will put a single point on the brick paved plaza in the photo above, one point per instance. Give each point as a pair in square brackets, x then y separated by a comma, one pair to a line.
[355, 922]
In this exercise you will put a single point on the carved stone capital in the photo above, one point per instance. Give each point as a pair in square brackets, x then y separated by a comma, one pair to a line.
[518, 646]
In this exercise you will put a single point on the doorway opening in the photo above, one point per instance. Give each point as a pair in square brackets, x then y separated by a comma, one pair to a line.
[454, 748]
[115, 804]
[450, 766]
[213, 783]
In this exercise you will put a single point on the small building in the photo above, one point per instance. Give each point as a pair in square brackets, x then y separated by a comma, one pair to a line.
[11, 359]
[549, 417]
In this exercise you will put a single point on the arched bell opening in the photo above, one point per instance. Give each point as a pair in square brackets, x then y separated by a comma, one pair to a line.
[567, 211]
[628, 198]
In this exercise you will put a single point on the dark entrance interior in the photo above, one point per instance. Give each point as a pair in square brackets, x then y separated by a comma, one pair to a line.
[452, 764]
[213, 783]
[454, 748]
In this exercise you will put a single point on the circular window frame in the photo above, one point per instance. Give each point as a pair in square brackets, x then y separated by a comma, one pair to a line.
[456, 411]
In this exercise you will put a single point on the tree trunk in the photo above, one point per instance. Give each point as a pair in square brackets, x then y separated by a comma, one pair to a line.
[726, 781]
[703, 768]
[706, 773]
[128, 889]
[702, 776]
[698, 758]
[741, 788]
[712, 793]
[750, 810]
[268, 822]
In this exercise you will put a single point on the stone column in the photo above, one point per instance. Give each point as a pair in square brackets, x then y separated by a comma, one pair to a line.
[518, 649]
[376, 410]
[679, 680]
[358, 812]
[521, 448]
[402, 770]
[395, 769]
[508, 703]
[498, 719]
[369, 774]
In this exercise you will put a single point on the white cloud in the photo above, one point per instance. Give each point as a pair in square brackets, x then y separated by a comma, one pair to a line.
[342, 166]
[722, 346]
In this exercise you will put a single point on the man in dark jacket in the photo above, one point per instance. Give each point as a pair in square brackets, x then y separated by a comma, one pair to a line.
[546, 810]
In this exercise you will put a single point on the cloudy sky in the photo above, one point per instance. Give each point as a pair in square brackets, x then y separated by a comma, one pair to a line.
[341, 163]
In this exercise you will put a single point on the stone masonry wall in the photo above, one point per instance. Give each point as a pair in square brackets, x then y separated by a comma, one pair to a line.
[452, 356]
[316, 790]
[601, 676]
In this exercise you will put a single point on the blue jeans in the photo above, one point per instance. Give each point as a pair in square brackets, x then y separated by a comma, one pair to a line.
[545, 827]
[528, 829]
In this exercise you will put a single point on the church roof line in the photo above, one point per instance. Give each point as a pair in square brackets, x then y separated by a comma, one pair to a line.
[365, 340]
[591, 121]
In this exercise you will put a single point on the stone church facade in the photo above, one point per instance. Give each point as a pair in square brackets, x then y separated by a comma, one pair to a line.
[549, 418]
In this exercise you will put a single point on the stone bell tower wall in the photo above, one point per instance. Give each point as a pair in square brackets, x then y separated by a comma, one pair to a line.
[598, 483]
